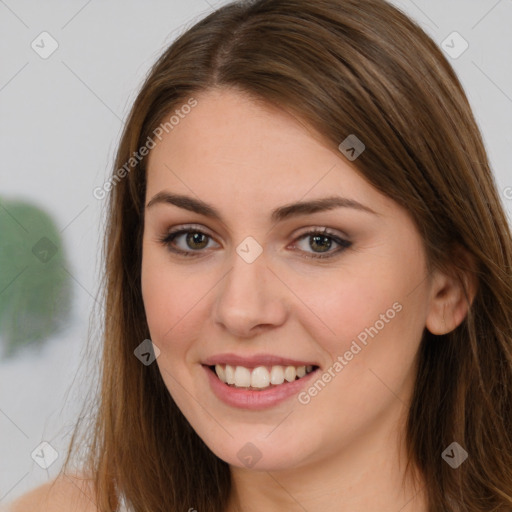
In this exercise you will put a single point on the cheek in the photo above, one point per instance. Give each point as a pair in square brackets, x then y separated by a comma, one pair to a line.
[341, 309]
[174, 301]
[172, 311]
[370, 313]
[164, 295]
[157, 303]
[379, 326]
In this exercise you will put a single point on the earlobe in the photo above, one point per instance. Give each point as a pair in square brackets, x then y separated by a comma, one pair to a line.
[451, 297]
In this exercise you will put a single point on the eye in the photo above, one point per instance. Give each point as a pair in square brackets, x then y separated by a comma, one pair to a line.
[321, 241]
[192, 241]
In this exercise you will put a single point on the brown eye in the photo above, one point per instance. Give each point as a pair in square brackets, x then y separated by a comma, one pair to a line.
[186, 242]
[324, 243]
[196, 240]
[320, 242]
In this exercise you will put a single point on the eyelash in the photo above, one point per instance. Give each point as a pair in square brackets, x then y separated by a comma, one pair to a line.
[325, 232]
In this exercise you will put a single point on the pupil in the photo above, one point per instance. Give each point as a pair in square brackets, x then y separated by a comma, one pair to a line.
[195, 238]
[325, 239]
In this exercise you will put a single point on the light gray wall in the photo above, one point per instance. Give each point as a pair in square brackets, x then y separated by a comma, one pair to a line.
[60, 120]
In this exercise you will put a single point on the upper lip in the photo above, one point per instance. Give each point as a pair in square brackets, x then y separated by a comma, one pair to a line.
[255, 360]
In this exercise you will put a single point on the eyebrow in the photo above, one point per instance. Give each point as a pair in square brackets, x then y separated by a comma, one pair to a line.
[278, 214]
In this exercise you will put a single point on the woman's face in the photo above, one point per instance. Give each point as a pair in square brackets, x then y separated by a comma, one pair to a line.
[261, 290]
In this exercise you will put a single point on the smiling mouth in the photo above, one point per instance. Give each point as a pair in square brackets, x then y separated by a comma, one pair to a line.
[261, 377]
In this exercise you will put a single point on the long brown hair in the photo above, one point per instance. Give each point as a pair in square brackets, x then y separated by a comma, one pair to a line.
[342, 67]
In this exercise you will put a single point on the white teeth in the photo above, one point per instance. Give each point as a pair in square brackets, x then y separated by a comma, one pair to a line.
[290, 373]
[221, 373]
[260, 377]
[230, 374]
[277, 375]
[242, 377]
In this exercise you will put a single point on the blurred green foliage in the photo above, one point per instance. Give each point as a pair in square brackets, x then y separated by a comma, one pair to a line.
[35, 288]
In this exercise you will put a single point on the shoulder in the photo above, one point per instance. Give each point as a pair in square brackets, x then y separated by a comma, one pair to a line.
[64, 494]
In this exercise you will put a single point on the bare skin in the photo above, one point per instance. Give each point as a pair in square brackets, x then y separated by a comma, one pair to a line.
[341, 450]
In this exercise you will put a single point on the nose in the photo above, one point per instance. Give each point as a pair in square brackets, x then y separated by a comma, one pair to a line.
[250, 299]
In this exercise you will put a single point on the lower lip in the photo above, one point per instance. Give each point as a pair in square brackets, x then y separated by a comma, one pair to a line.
[255, 400]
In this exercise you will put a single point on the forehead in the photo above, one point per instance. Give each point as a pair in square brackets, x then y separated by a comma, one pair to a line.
[232, 148]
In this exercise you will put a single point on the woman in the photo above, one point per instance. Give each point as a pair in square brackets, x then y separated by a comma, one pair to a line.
[308, 278]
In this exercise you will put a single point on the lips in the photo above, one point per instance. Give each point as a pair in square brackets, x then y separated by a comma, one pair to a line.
[258, 371]
[257, 382]
[254, 361]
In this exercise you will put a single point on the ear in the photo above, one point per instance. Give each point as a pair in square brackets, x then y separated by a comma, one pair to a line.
[452, 293]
